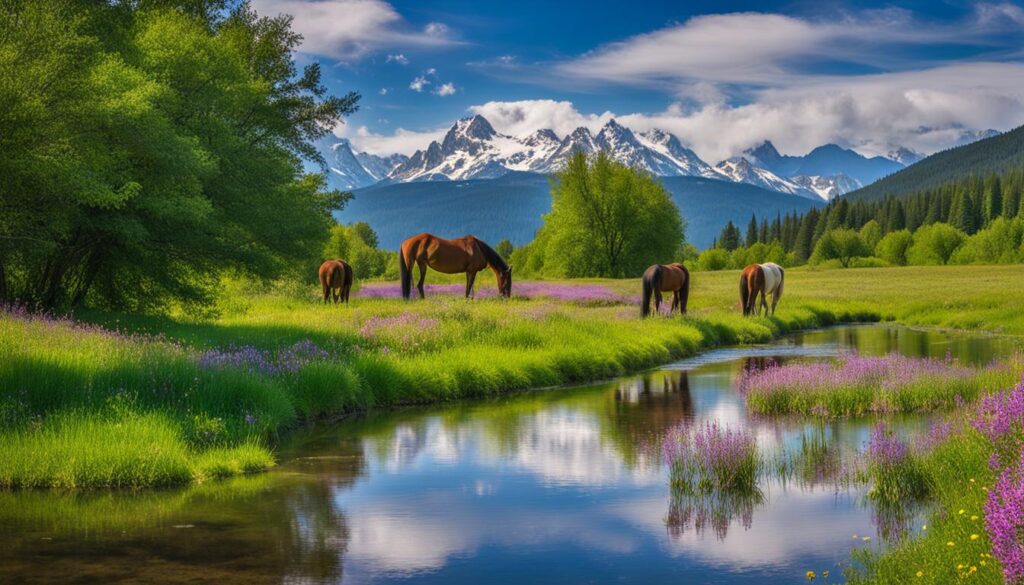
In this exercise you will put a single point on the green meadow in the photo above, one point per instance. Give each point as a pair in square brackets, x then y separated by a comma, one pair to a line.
[108, 399]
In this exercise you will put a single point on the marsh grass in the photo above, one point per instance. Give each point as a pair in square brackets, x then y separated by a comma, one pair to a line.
[853, 385]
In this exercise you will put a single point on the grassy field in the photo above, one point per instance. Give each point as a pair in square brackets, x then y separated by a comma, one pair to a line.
[203, 398]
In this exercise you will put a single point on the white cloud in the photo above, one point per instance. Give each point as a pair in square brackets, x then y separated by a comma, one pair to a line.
[401, 140]
[383, 91]
[523, 117]
[349, 29]
[419, 83]
[397, 58]
[445, 89]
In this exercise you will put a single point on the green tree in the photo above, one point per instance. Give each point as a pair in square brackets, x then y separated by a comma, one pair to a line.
[151, 147]
[752, 235]
[729, 239]
[893, 247]
[505, 249]
[713, 259]
[608, 220]
[934, 244]
[871, 234]
[999, 243]
[840, 244]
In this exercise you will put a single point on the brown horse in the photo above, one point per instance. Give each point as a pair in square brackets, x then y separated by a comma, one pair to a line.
[336, 278]
[674, 278]
[467, 254]
[763, 279]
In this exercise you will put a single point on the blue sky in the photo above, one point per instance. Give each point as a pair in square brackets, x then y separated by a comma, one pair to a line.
[722, 76]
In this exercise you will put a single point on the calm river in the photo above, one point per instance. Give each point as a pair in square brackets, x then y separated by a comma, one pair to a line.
[561, 486]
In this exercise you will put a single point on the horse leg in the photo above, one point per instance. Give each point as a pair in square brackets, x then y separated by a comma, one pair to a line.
[764, 304]
[327, 294]
[775, 301]
[423, 276]
[470, 279]
[657, 300]
[337, 295]
[675, 301]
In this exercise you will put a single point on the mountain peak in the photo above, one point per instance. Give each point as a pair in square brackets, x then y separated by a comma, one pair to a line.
[764, 151]
[475, 127]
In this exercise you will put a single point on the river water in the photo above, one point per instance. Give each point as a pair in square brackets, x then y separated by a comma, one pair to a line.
[559, 486]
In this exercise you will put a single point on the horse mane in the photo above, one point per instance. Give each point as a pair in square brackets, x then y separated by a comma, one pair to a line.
[493, 258]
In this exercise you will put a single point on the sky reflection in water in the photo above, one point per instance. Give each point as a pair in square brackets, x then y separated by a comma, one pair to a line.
[561, 486]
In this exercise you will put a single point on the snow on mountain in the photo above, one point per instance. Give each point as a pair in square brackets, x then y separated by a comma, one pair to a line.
[741, 170]
[686, 161]
[826, 187]
[473, 149]
[904, 156]
[353, 170]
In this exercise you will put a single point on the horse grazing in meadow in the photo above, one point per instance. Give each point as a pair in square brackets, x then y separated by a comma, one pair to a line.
[764, 279]
[467, 254]
[674, 278]
[336, 278]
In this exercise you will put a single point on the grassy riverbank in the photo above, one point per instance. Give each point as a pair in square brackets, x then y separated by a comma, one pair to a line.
[138, 401]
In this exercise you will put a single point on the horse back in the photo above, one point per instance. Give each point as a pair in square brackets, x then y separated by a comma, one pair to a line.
[772, 276]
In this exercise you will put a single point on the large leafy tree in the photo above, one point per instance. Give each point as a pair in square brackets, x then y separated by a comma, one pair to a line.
[607, 220]
[151, 146]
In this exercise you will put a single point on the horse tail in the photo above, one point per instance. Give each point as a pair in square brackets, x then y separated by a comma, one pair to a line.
[684, 293]
[406, 274]
[744, 291]
[651, 281]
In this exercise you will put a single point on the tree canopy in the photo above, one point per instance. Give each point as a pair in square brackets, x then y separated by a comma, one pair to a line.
[151, 146]
[606, 220]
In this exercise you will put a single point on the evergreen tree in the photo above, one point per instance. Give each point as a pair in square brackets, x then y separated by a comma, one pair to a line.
[962, 214]
[752, 231]
[993, 206]
[730, 237]
[803, 246]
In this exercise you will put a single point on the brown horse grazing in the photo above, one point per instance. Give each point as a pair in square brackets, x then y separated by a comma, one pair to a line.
[674, 278]
[467, 254]
[336, 278]
[763, 279]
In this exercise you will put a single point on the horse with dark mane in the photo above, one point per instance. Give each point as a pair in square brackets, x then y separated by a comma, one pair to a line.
[467, 254]
[336, 278]
[761, 279]
[674, 278]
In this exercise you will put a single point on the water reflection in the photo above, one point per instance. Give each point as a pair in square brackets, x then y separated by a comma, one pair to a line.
[558, 486]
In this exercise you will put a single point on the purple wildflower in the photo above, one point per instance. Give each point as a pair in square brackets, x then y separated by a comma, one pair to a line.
[1000, 413]
[289, 360]
[712, 457]
[884, 448]
[1004, 520]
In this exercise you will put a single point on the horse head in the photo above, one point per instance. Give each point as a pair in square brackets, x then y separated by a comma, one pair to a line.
[505, 282]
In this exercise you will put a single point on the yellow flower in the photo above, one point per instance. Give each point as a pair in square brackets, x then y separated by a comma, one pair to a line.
[972, 480]
[824, 574]
[974, 518]
[951, 543]
[982, 563]
[920, 573]
[961, 512]
[810, 575]
[974, 537]
[925, 527]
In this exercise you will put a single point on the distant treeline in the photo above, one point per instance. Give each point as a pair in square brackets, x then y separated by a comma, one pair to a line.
[972, 207]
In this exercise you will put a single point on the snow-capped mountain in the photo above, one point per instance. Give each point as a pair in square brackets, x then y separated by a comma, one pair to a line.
[904, 156]
[353, 170]
[473, 149]
[741, 170]
[827, 188]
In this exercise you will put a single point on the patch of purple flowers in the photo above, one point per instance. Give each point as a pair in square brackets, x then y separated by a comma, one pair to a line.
[885, 448]
[578, 293]
[712, 457]
[376, 326]
[256, 361]
[1000, 413]
[890, 371]
[1004, 520]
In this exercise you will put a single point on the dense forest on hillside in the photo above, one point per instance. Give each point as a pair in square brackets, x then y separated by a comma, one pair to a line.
[992, 156]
